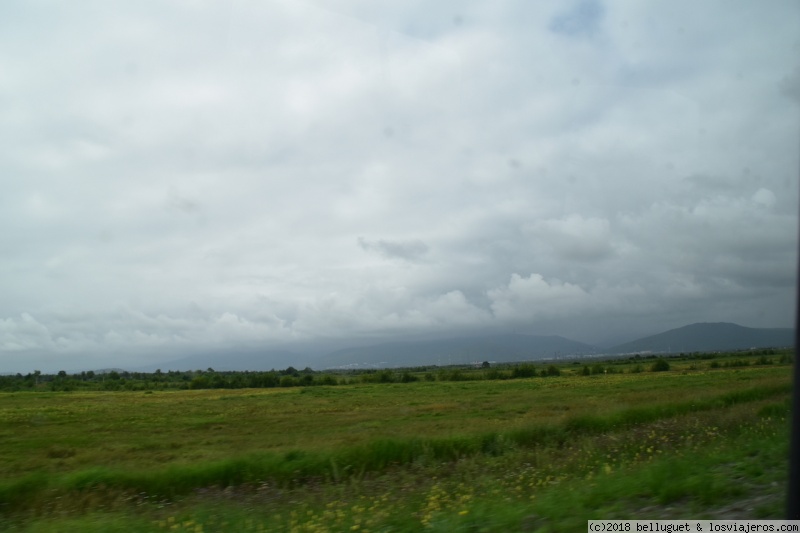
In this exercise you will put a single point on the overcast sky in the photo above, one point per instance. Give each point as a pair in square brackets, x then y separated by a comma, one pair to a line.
[189, 175]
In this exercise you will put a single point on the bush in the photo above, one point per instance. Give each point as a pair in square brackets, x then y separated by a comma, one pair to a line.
[408, 377]
[523, 371]
[455, 375]
[288, 381]
[660, 365]
[385, 376]
[327, 379]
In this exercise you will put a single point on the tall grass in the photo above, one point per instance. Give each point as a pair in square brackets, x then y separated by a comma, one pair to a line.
[552, 488]
[299, 467]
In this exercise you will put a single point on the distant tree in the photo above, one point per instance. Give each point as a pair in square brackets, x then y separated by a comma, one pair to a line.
[661, 365]
[62, 373]
[553, 370]
[586, 371]
[523, 371]
[493, 374]
[485, 364]
[327, 379]
[200, 382]
[408, 377]
[288, 381]
[219, 382]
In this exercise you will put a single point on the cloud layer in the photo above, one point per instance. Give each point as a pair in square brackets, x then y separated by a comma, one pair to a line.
[203, 175]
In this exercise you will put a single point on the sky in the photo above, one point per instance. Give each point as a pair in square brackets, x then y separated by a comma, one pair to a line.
[184, 176]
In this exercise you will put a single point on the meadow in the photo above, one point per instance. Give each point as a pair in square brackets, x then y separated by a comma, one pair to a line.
[706, 438]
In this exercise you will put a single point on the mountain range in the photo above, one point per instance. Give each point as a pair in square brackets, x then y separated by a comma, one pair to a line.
[700, 337]
[459, 350]
[707, 337]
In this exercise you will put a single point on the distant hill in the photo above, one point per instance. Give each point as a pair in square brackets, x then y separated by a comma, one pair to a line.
[707, 337]
[240, 361]
[497, 348]
[451, 351]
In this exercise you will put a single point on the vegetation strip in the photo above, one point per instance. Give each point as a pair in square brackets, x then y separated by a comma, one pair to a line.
[731, 464]
[299, 466]
[121, 380]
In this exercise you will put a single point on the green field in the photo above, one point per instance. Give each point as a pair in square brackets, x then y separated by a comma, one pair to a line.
[534, 454]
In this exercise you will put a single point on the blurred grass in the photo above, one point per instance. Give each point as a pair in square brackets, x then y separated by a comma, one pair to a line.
[62, 432]
[533, 489]
[562, 428]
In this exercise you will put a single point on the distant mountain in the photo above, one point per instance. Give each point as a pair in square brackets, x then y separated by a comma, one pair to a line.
[460, 350]
[707, 337]
[497, 348]
[222, 361]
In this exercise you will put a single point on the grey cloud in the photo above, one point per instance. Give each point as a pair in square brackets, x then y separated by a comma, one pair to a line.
[583, 18]
[406, 250]
[574, 237]
[714, 184]
[195, 175]
[790, 85]
[180, 203]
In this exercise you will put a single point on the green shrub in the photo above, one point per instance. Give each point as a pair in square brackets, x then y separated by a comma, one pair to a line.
[523, 371]
[288, 381]
[661, 365]
[408, 377]
[327, 379]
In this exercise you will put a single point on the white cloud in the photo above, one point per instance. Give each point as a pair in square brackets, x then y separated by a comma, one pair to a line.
[764, 197]
[532, 298]
[23, 333]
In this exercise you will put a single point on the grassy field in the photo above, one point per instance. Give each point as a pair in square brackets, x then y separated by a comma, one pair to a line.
[485, 455]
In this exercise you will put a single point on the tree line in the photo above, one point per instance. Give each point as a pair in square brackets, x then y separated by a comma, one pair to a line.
[118, 380]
